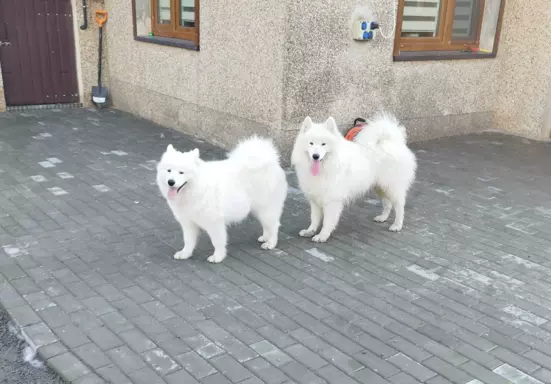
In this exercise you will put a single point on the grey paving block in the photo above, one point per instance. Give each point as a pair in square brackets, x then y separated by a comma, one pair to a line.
[25, 285]
[271, 353]
[275, 336]
[91, 355]
[542, 374]
[217, 378]
[90, 378]
[180, 377]
[210, 350]
[306, 357]
[265, 371]
[439, 380]
[68, 366]
[145, 376]
[160, 361]
[113, 374]
[171, 343]
[482, 374]
[137, 294]
[51, 350]
[98, 305]
[256, 380]
[9, 297]
[116, 322]
[515, 360]
[71, 336]
[104, 338]
[68, 303]
[125, 359]
[24, 316]
[333, 375]
[136, 340]
[366, 375]
[158, 310]
[85, 320]
[447, 370]
[539, 358]
[403, 378]
[40, 334]
[230, 368]
[411, 367]
[195, 364]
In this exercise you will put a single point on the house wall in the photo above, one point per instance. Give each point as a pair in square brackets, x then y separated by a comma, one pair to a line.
[254, 76]
[327, 73]
[232, 87]
[523, 99]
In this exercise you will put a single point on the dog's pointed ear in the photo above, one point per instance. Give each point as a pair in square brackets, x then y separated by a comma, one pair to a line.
[306, 124]
[195, 153]
[170, 148]
[331, 125]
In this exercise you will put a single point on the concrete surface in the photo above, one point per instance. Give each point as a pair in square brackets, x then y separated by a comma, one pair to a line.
[460, 296]
[13, 369]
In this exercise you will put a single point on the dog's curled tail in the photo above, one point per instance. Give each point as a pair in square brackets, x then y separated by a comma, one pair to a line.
[383, 132]
[255, 153]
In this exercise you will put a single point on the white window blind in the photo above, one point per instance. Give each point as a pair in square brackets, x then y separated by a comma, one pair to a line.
[421, 18]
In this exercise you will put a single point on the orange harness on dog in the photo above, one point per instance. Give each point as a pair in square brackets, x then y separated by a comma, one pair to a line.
[359, 124]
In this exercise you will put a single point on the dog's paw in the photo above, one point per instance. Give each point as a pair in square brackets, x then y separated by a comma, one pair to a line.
[380, 219]
[262, 239]
[269, 245]
[320, 238]
[215, 258]
[306, 233]
[182, 255]
[395, 228]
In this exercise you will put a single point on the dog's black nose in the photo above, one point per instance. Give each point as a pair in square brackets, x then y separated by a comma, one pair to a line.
[315, 156]
[171, 182]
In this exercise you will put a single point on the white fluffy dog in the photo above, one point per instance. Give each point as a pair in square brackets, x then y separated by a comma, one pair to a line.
[333, 171]
[211, 195]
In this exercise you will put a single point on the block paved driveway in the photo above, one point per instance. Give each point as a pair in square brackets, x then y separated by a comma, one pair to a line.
[462, 295]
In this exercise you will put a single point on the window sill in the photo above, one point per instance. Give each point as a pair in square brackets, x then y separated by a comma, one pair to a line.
[441, 55]
[185, 44]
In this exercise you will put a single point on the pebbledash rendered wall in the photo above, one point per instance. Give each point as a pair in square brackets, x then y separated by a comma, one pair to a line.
[262, 69]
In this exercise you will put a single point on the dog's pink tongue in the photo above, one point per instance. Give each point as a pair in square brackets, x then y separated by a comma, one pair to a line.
[315, 167]
[172, 192]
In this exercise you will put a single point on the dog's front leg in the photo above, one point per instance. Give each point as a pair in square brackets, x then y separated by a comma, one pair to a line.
[331, 215]
[219, 238]
[315, 220]
[191, 233]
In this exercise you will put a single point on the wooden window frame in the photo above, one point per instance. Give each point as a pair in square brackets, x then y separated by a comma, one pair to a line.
[172, 34]
[174, 30]
[442, 41]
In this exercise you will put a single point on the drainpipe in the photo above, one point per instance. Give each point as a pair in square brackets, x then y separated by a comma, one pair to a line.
[84, 16]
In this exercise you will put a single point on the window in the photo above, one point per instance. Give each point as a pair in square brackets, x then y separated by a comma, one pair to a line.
[169, 22]
[436, 28]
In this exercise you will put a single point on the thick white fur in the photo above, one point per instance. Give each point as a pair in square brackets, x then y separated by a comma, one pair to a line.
[377, 158]
[218, 193]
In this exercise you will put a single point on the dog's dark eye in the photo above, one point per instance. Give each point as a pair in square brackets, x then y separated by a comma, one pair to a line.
[322, 144]
[181, 173]
[168, 170]
[311, 143]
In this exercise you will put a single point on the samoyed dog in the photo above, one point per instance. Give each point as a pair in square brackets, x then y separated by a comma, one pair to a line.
[333, 171]
[210, 195]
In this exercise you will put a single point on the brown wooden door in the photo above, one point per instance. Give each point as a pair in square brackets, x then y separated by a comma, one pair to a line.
[37, 52]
